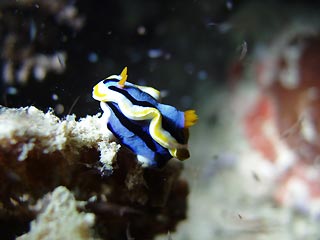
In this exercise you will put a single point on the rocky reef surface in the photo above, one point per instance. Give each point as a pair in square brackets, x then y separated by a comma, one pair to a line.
[72, 175]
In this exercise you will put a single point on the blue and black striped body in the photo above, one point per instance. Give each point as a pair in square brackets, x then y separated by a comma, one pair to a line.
[135, 136]
[155, 132]
[172, 119]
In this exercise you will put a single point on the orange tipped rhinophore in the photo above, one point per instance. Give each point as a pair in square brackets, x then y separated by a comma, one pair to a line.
[124, 77]
[190, 118]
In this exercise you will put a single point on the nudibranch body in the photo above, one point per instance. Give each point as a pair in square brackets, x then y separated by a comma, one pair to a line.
[154, 131]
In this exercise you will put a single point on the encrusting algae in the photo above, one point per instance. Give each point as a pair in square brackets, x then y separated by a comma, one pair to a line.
[60, 218]
[30, 130]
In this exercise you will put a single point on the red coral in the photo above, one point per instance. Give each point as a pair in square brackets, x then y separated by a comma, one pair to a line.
[255, 127]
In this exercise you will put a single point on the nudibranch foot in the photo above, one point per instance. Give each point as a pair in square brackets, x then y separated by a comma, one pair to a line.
[155, 132]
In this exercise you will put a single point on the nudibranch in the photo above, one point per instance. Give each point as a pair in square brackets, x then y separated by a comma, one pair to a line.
[155, 132]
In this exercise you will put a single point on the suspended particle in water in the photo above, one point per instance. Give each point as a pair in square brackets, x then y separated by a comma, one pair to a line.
[62, 60]
[167, 56]
[55, 97]
[8, 72]
[59, 108]
[93, 57]
[202, 75]
[155, 53]
[164, 93]
[244, 50]
[224, 27]
[73, 104]
[255, 176]
[212, 24]
[128, 234]
[141, 30]
[39, 73]
[12, 91]
[33, 30]
[229, 4]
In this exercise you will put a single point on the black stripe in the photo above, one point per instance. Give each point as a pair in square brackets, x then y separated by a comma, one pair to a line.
[166, 125]
[110, 80]
[175, 132]
[134, 128]
[132, 99]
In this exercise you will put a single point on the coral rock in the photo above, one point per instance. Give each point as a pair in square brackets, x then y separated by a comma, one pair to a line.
[40, 152]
